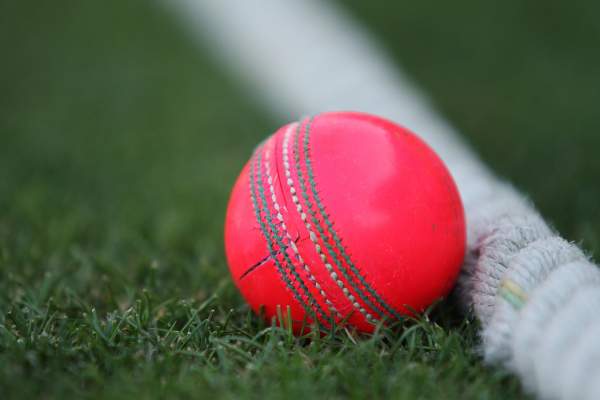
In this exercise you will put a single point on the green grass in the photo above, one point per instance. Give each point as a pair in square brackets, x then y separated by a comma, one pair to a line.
[121, 139]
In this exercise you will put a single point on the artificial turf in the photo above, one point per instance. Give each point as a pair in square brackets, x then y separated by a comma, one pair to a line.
[120, 139]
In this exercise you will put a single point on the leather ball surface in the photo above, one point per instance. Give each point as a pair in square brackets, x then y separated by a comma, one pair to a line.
[344, 217]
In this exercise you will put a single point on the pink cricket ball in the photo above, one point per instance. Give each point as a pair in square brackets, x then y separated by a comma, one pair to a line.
[344, 217]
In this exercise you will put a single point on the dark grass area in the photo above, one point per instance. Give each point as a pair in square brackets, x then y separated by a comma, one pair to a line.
[120, 140]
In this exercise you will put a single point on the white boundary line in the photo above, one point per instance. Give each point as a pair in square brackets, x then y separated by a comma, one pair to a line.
[306, 56]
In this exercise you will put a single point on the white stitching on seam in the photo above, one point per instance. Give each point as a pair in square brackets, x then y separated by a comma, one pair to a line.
[291, 243]
[312, 236]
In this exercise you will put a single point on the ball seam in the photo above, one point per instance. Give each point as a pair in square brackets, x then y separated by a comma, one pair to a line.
[254, 182]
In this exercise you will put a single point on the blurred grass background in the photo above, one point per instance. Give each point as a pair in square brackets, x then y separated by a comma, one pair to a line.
[120, 139]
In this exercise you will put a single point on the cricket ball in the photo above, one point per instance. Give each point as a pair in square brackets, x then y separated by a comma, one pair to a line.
[344, 218]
